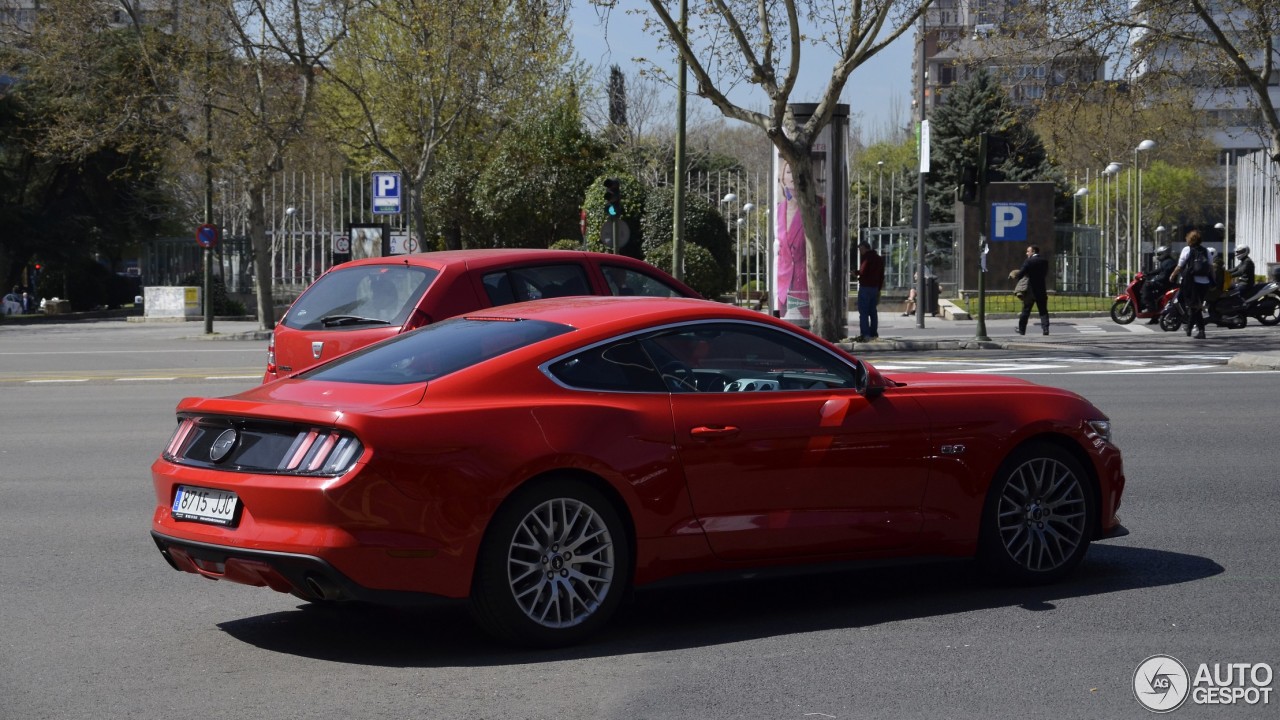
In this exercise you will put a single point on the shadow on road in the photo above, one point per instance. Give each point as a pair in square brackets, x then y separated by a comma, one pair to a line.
[684, 617]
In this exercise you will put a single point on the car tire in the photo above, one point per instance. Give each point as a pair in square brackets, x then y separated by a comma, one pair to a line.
[553, 567]
[1039, 516]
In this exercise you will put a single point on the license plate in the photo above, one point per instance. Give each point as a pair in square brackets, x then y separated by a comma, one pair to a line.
[217, 507]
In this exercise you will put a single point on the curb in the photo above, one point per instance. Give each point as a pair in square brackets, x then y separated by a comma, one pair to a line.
[1262, 361]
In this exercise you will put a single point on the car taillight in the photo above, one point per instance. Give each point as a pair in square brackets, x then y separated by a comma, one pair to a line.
[244, 445]
[271, 357]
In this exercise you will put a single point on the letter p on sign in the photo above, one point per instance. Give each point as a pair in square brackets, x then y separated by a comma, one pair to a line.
[1009, 221]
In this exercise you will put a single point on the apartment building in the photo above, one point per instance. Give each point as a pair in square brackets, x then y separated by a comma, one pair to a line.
[1004, 37]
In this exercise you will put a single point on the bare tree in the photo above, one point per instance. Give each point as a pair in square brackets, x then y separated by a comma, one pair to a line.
[275, 51]
[732, 43]
[1224, 49]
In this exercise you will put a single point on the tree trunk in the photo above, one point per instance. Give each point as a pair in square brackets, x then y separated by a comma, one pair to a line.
[261, 257]
[827, 317]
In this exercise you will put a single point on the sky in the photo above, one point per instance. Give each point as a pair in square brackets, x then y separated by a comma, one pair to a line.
[871, 91]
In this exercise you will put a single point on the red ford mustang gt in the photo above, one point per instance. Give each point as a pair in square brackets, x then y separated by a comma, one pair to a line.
[540, 458]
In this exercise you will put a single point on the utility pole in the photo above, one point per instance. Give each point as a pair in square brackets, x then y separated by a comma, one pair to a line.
[922, 205]
[982, 238]
[677, 201]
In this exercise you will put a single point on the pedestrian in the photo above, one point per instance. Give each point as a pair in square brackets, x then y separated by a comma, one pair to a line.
[909, 306]
[1195, 266]
[1035, 269]
[870, 277]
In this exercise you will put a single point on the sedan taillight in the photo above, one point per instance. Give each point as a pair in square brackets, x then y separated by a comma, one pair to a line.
[242, 445]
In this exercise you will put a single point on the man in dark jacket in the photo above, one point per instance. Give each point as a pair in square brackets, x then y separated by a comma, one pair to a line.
[1035, 269]
[870, 278]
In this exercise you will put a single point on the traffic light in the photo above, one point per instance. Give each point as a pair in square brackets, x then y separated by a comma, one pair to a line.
[612, 198]
[968, 184]
[998, 152]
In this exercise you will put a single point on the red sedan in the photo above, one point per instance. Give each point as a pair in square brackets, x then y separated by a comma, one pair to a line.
[363, 301]
[540, 458]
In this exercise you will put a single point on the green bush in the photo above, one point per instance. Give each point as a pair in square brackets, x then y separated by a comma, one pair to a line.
[701, 271]
[704, 227]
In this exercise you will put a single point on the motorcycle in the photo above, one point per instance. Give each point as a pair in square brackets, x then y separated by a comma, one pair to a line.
[1128, 305]
[1231, 309]
[1262, 302]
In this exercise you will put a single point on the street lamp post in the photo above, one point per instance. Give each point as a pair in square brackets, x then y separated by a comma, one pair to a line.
[1080, 193]
[729, 199]
[1142, 147]
[880, 196]
[1109, 173]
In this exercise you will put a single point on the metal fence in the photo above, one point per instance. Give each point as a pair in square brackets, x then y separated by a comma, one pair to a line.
[306, 211]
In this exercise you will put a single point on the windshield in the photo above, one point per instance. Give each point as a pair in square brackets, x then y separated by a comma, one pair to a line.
[436, 350]
[361, 296]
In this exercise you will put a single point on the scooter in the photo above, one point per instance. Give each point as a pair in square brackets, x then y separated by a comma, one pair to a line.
[1261, 303]
[1223, 311]
[1128, 305]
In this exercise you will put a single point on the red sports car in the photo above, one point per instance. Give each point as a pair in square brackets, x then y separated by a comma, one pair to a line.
[363, 301]
[540, 458]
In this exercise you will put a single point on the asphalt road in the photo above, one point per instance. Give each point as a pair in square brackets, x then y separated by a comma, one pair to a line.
[93, 623]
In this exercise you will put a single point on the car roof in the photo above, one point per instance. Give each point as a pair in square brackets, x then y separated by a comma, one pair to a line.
[587, 312]
[482, 258]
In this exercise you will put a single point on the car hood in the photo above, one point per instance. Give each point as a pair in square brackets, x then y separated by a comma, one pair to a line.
[309, 400]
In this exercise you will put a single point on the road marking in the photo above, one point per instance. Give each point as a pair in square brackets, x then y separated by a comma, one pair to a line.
[59, 380]
[1144, 328]
[1163, 368]
[234, 377]
[145, 379]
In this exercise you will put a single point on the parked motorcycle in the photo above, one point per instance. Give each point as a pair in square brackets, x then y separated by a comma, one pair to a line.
[1262, 302]
[1128, 305]
[1232, 309]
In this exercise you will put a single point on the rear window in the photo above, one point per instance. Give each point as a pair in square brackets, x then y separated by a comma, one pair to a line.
[361, 296]
[435, 351]
[625, 281]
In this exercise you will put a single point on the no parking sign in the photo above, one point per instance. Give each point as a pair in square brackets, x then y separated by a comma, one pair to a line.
[207, 236]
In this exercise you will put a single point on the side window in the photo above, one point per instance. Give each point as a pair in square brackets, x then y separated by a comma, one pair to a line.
[625, 281]
[497, 286]
[616, 367]
[740, 357]
[551, 281]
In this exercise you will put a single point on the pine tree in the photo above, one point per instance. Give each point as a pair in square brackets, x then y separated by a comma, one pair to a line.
[976, 106]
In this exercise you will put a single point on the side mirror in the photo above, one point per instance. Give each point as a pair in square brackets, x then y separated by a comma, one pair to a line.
[870, 383]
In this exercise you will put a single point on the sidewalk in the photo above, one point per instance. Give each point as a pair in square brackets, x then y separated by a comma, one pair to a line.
[1258, 347]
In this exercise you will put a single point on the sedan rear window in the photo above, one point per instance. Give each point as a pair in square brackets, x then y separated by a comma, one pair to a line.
[435, 351]
[360, 296]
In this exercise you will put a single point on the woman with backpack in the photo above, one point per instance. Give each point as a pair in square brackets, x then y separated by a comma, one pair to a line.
[1195, 265]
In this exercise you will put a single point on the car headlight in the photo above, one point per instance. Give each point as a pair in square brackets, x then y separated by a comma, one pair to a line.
[1102, 428]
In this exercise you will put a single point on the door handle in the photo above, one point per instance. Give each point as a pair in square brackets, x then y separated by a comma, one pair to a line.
[706, 433]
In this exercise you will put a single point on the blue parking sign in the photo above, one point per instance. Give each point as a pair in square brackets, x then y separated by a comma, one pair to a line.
[386, 193]
[1009, 221]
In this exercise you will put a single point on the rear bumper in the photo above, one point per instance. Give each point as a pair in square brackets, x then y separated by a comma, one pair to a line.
[1115, 531]
[305, 576]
